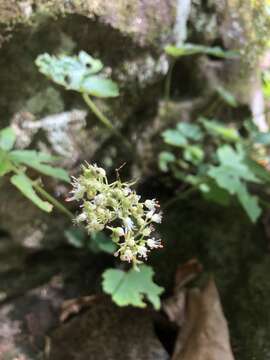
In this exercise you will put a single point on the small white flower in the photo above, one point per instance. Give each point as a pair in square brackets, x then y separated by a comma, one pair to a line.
[78, 191]
[150, 214]
[82, 217]
[99, 199]
[126, 191]
[101, 172]
[153, 243]
[119, 231]
[130, 242]
[150, 204]
[157, 218]
[127, 256]
[128, 223]
[142, 251]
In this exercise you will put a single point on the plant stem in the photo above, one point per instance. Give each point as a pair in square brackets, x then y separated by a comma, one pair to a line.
[97, 112]
[52, 200]
[46, 195]
[105, 121]
[168, 81]
[181, 196]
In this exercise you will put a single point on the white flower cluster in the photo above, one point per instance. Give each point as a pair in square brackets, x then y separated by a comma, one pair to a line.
[118, 208]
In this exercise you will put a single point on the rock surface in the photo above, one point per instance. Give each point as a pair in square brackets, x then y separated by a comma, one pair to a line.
[236, 253]
[107, 332]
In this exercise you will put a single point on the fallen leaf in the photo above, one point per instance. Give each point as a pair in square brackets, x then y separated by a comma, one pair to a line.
[205, 334]
[186, 273]
[74, 306]
[175, 306]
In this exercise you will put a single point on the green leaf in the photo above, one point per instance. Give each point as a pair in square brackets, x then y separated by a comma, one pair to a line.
[226, 96]
[100, 242]
[48, 170]
[5, 164]
[216, 129]
[262, 138]
[266, 84]
[174, 137]
[232, 175]
[34, 160]
[191, 131]
[7, 138]
[192, 49]
[258, 170]
[165, 158]
[31, 155]
[194, 154]
[76, 237]
[236, 161]
[99, 87]
[24, 184]
[77, 73]
[250, 203]
[212, 192]
[130, 288]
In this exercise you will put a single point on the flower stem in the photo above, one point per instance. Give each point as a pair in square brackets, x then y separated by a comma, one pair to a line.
[105, 121]
[53, 201]
[168, 81]
[97, 112]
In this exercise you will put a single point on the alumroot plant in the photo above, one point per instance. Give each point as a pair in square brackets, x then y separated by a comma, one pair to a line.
[118, 208]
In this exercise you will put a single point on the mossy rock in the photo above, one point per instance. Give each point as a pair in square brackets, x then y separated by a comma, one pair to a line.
[236, 253]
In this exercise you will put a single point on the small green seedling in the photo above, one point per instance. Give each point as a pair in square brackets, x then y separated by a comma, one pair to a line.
[83, 74]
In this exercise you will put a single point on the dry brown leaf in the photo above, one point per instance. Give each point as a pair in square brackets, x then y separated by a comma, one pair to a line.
[175, 306]
[186, 273]
[74, 306]
[205, 334]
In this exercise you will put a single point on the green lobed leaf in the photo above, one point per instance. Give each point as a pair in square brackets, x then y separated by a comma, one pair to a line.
[130, 288]
[236, 161]
[190, 131]
[100, 242]
[194, 154]
[212, 192]
[76, 237]
[165, 158]
[215, 128]
[24, 184]
[174, 137]
[7, 138]
[77, 73]
[232, 175]
[258, 170]
[250, 203]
